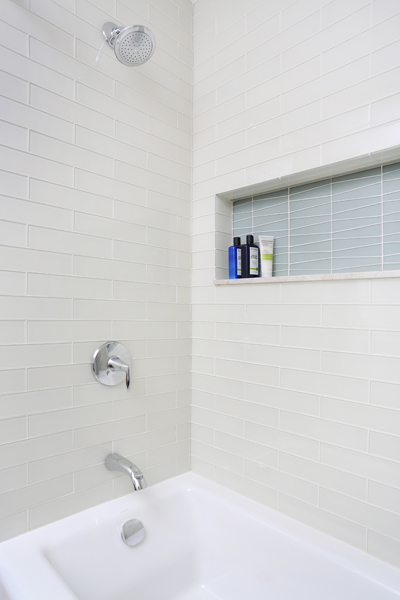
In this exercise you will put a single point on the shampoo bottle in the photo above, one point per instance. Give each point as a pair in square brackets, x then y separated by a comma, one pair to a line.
[250, 258]
[235, 259]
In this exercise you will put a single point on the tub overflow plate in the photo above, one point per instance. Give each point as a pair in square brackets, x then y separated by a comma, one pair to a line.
[132, 532]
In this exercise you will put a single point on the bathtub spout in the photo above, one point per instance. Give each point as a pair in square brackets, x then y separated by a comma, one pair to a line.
[116, 462]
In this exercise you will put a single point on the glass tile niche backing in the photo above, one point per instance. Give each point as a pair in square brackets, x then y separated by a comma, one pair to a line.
[340, 225]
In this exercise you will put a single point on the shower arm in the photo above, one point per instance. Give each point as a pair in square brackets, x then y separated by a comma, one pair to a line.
[110, 32]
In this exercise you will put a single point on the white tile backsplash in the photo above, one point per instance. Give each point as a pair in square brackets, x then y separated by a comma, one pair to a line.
[310, 368]
[294, 386]
[94, 246]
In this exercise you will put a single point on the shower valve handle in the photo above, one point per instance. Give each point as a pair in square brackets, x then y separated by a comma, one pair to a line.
[112, 364]
[116, 364]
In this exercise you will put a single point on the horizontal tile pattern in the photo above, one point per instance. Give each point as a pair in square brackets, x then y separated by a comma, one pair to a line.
[94, 224]
[282, 88]
[340, 225]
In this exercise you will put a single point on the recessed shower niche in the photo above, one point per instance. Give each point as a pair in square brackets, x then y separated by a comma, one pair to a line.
[347, 223]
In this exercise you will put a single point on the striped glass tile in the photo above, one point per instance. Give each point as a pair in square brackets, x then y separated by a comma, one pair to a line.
[341, 225]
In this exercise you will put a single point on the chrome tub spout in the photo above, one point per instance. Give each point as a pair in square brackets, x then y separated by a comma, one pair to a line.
[116, 462]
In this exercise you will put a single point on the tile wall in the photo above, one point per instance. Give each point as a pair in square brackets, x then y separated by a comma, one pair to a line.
[95, 245]
[339, 225]
[295, 385]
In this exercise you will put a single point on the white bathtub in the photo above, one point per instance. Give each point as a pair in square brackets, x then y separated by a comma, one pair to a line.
[202, 542]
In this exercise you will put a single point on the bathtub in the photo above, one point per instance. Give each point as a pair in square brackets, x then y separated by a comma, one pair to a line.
[202, 542]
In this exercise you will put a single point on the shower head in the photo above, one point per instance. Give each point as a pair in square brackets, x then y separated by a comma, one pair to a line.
[133, 45]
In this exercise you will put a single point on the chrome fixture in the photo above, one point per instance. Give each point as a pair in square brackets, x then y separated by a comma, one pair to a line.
[132, 532]
[133, 45]
[116, 462]
[112, 364]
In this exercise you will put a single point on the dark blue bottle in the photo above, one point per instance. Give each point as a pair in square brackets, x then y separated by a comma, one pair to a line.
[235, 259]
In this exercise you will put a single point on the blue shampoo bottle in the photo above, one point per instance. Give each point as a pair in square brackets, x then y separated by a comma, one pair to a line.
[235, 259]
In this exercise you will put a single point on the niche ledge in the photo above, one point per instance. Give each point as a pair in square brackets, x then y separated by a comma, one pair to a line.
[324, 277]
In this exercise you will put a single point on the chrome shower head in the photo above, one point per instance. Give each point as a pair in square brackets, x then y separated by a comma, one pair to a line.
[133, 45]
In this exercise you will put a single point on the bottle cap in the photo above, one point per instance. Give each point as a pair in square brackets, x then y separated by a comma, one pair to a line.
[249, 239]
[236, 241]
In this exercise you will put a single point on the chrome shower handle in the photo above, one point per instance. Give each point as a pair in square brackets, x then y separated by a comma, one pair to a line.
[112, 364]
[117, 364]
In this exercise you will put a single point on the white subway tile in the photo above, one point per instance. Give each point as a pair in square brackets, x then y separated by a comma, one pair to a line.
[163, 454]
[13, 87]
[383, 9]
[25, 259]
[107, 228]
[384, 548]
[73, 418]
[69, 198]
[385, 110]
[325, 430]
[384, 496]
[70, 154]
[57, 61]
[151, 405]
[13, 429]
[295, 314]
[25, 450]
[61, 108]
[108, 146]
[23, 163]
[13, 525]
[13, 136]
[14, 185]
[109, 268]
[109, 432]
[325, 476]
[359, 365]
[105, 186]
[387, 446]
[69, 243]
[282, 482]
[162, 419]
[283, 357]
[325, 338]
[144, 216]
[19, 356]
[33, 213]
[324, 384]
[33, 495]
[247, 372]
[34, 26]
[361, 464]
[217, 457]
[26, 403]
[45, 123]
[327, 84]
[13, 284]
[361, 513]
[17, 307]
[264, 456]
[362, 316]
[282, 399]
[58, 376]
[218, 422]
[68, 505]
[333, 41]
[373, 88]
[385, 394]
[12, 332]
[387, 58]
[35, 73]
[323, 520]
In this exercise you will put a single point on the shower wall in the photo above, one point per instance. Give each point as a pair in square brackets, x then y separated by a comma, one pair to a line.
[295, 385]
[95, 214]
